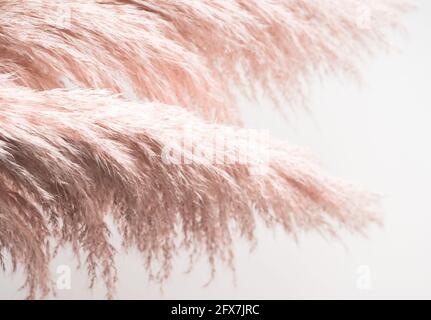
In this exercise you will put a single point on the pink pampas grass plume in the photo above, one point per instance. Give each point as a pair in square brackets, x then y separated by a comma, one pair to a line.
[190, 53]
[71, 159]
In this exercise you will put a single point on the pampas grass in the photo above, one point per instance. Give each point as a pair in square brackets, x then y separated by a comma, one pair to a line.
[192, 53]
[71, 158]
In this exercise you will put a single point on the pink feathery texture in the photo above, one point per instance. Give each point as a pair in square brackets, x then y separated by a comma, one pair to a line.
[69, 158]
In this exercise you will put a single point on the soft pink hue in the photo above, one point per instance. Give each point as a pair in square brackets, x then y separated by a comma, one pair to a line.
[193, 53]
[68, 158]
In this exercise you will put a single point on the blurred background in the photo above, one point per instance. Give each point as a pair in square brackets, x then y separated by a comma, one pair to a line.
[375, 134]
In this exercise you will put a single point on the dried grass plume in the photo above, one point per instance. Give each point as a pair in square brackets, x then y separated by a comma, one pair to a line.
[71, 157]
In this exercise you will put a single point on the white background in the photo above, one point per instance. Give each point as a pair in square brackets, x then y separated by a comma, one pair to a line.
[376, 135]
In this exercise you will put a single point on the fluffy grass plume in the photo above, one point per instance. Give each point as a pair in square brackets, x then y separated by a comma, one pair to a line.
[69, 158]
